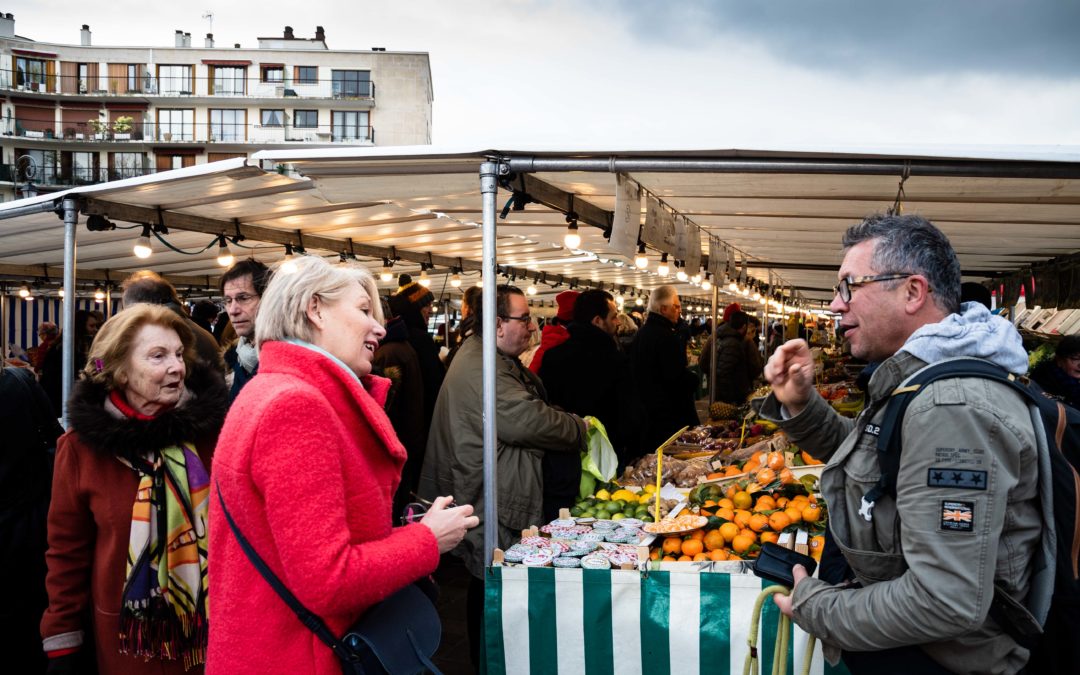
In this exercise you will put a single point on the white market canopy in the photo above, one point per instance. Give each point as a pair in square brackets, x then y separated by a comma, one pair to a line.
[781, 211]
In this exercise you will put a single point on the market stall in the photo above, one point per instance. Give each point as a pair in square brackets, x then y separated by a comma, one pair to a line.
[761, 224]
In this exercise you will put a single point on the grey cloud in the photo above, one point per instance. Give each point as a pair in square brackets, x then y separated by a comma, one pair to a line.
[1038, 38]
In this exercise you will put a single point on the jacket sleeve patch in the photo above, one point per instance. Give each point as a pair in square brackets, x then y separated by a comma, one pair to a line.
[957, 516]
[964, 479]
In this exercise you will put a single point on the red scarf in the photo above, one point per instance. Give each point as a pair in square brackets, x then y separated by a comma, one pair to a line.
[123, 406]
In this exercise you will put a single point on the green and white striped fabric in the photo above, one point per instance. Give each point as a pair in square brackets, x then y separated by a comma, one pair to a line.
[615, 622]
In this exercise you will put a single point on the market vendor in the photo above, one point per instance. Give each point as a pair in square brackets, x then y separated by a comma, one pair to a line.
[527, 427]
[1060, 376]
[925, 561]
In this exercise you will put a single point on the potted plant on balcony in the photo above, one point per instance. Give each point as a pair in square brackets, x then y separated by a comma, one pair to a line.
[98, 129]
[122, 127]
[69, 133]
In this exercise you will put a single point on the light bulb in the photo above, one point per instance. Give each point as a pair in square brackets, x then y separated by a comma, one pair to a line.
[224, 256]
[681, 275]
[531, 290]
[757, 296]
[480, 282]
[386, 274]
[61, 293]
[696, 279]
[455, 280]
[142, 244]
[572, 239]
[288, 263]
[425, 280]
[706, 285]
[24, 292]
[641, 260]
[99, 295]
[662, 269]
[639, 302]
[733, 286]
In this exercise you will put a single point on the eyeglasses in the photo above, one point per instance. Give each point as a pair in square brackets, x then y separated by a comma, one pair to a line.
[242, 299]
[843, 289]
[524, 318]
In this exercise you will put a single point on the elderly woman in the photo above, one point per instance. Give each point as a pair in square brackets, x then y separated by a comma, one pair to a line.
[1061, 376]
[127, 524]
[307, 465]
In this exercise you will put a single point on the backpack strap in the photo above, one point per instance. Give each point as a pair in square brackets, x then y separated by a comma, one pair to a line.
[308, 618]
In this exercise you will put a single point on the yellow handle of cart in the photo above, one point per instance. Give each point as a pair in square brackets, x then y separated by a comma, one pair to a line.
[660, 466]
[783, 636]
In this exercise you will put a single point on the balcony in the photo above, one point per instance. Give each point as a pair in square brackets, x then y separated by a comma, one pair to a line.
[149, 132]
[57, 176]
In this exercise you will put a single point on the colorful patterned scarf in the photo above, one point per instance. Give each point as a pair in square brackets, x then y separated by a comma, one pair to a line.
[165, 594]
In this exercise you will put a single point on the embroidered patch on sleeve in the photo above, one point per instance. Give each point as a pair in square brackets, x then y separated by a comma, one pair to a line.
[957, 516]
[965, 479]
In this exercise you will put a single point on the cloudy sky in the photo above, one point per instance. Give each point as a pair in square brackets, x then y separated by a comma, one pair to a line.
[697, 74]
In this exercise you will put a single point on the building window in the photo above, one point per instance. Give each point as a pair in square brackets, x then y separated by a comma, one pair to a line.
[175, 124]
[272, 118]
[229, 80]
[84, 77]
[30, 73]
[126, 165]
[307, 75]
[133, 83]
[175, 80]
[350, 125]
[82, 167]
[227, 125]
[352, 83]
[46, 162]
[305, 119]
[274, 74]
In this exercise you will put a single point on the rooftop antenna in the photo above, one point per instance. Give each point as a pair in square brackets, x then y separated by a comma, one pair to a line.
[209, 14]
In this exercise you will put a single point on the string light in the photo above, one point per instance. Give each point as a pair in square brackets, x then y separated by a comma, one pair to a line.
[681, 274]
[99, 295]
[572, 239]
[61, 294]
[642, 259]
[288, 263]
[480, 282]
[142, 244]
[224, 257]
[455, 279]
[24, 292]
[424, 280]
[531, 290]
[706, 285]
[386, 274]
[662, 269]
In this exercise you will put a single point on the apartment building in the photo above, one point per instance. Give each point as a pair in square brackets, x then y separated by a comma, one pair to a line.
[78, 114]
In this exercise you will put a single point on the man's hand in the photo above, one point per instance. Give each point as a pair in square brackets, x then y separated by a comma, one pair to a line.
[784, 601]
[790, 371]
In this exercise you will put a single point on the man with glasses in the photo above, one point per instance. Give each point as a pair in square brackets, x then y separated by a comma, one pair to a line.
[927, 561]
[527, 428]
[242, 287]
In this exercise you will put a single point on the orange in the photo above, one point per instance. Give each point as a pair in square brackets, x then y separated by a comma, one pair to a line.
[714, 475]
[765, 503]
[765, 476]
[759, 522]
[685, 558]
[741, 544]
[701, 557]
[742, 518]
[697, 534]
[786, 477]
[817, 545]
[692, 547]
[794, 514]
[654, 554]
[774, 537]
[729, 531]
[713, 540]
[709, 504]
[782, 502]
[726, 514]
[775, 460]
[731, 490]
[732, 470]
[726, 503]
[704, 511]
[718, 555]
[811, 513]
[807, 459]
[779, 520]
[672, 545]
[668, 558]
[751, 466]
[757, 457]
[742, 500]
[747, 532]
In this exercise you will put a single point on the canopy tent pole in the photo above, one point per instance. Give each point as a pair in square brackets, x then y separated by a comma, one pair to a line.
[71, 219]
[712, 345]
[3, 323]
[488, 190]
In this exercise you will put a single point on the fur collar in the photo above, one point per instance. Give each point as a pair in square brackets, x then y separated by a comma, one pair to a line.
[197, 420]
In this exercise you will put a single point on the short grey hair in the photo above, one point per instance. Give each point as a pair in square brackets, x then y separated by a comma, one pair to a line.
[661, 297]
[283, 310]
[911, 244]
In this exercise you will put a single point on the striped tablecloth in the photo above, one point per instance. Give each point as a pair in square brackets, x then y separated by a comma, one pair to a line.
[615, 622]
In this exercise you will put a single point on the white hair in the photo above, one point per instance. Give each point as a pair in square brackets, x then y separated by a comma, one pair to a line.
[661, 297]
[283, 309]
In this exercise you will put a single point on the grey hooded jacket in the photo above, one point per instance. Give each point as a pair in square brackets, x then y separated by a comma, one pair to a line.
[928, 559]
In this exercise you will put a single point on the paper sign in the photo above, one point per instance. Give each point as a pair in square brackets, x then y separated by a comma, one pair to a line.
[693, 249]
[659, 230]
[626, 221]
[717, 260]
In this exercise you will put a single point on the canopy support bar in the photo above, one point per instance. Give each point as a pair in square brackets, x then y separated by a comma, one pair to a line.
[71, 219]
[488, 189]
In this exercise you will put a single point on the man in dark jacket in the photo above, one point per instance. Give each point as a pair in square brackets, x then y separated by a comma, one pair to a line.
[589, 375]
[665, 387]
[242, 287]
[738, 361]
[412, 302]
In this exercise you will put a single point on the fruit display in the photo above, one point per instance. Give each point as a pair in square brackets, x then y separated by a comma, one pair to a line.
[725, 411]
[618, 503]
[682, 473]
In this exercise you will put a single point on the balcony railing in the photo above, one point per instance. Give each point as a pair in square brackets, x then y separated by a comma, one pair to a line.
[58, 176]
[147, 84]
[202, 132]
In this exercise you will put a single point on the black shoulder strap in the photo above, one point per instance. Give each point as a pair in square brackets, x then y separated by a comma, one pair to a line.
[888, 440]
[310, 620]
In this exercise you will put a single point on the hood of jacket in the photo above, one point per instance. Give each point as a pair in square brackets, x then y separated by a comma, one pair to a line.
[973, 332]
[200, 417]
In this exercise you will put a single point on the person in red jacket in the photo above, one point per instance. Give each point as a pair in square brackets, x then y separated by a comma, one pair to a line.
[307, 464]
[555, 332]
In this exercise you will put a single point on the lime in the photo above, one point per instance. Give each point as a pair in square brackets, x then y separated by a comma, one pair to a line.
[621, 503]
[576, 511]
[646, 518]
[587, 513]
[618, 516]
[612, 507]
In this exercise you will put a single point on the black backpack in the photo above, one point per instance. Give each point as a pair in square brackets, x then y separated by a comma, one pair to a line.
[1054, 600]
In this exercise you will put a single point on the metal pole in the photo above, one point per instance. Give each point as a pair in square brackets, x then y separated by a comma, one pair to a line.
[71, 219]
[28, 210]
[3, 324]
[108, 301]
[768, 332]
[488, 189]
[712, 347]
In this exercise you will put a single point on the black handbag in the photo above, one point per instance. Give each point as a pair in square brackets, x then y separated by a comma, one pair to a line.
[398, 636]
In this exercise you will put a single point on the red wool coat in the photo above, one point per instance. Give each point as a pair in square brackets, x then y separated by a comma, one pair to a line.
[308, 463]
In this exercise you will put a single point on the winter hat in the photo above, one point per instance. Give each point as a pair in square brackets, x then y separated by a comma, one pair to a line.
[411, 296]
[566, 301]
[731, 309]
